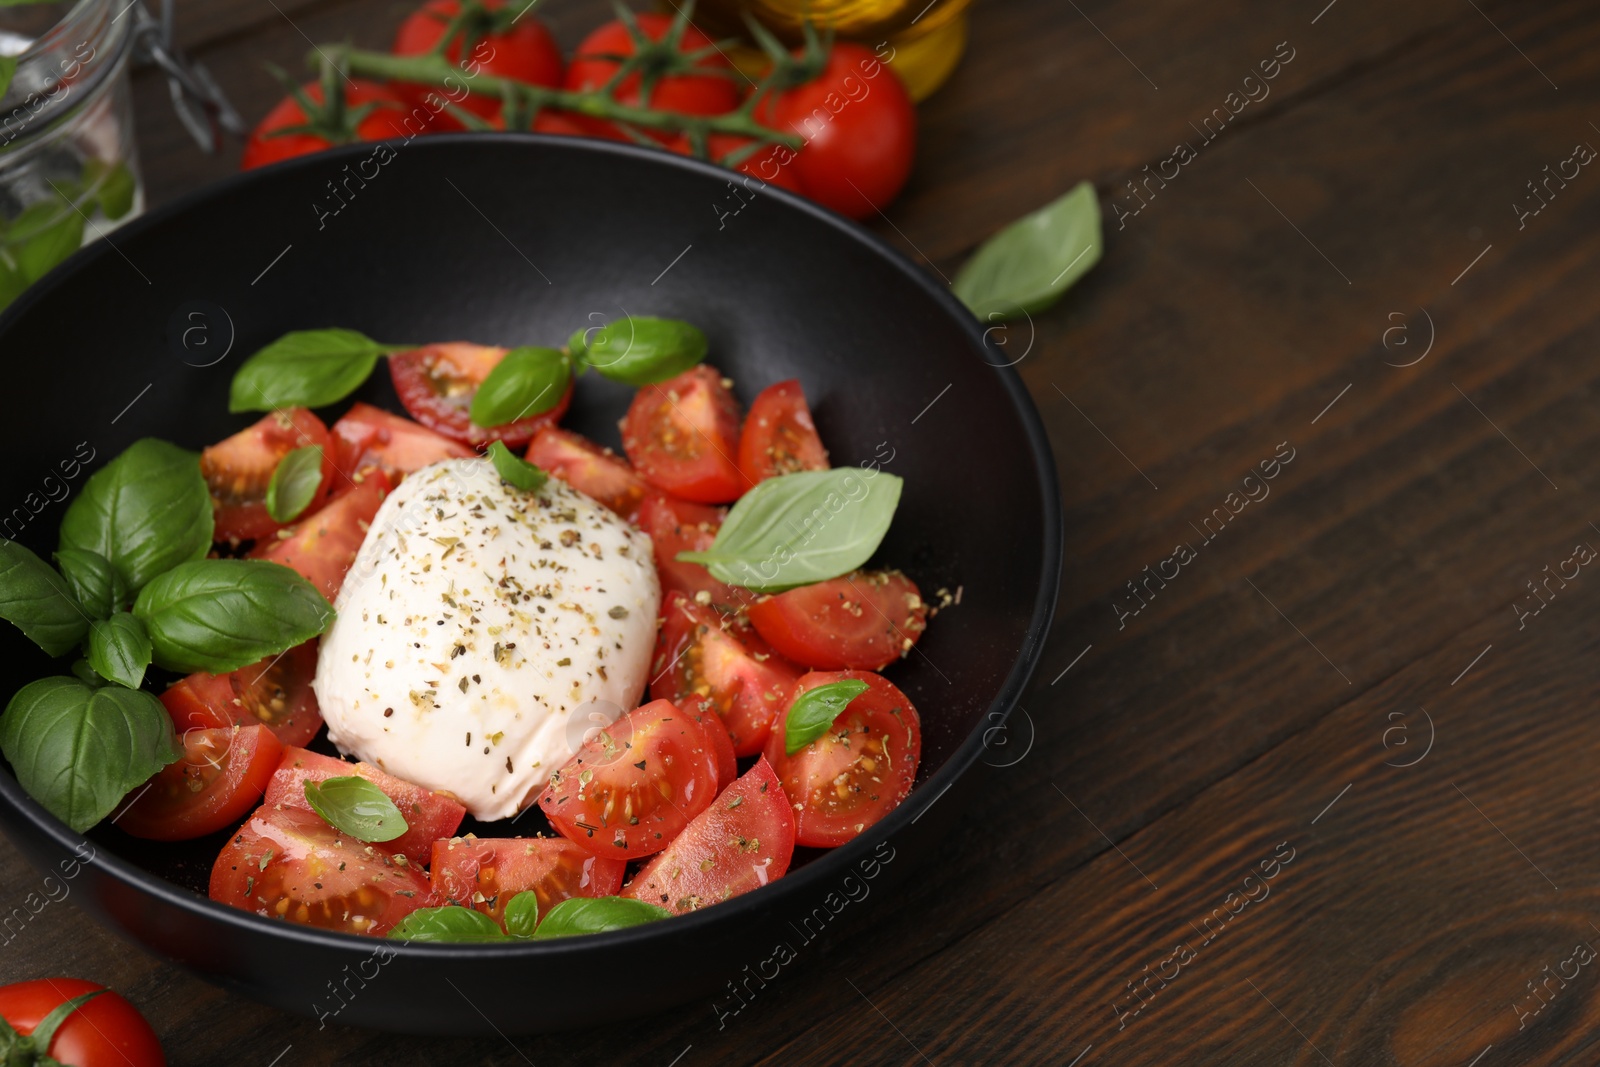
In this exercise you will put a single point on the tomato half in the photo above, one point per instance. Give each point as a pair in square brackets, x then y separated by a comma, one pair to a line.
[864, 620]
[436, 383]
[588, 468]
[216, 782]
[744, 840]
[679, 526]
[683, 436]
[371, 437]
[632, 787]
[275, 693]
[601, 53]
[385, 118]
[286, 863]
[859, 770]
[238, 470]
[524, 51]
[429, 815]
[486, 872]
[322, 547]
[105, 1032]
[706, 659]
[779, 436]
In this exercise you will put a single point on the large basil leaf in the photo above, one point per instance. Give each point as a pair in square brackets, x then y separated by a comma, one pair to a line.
[1026, 266]
[596, 915]
[218, 615]
[119, 649]
[79, 750]
[94, 581]
[38, 601]
[354, 806]
[528, 381]
[800, 528]
[814, 711]
[641, 351]
[307, 368]
[146, 511]
[450, 923]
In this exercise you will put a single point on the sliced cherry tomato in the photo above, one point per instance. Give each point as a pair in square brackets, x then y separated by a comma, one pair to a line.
[602, 52]
[721, 741]
[429, 815]
[436, 383]
[106, 1031]
[859, 770]
[683, 436]
[238, 470]
[371, 437]
[216, 782]
[680, 526]
[779, 436]
[505, 44]
[486, 872]
[632, 787]
[322, 547]
[588, 468]
[286, 863]
[385, 118]
[864, 620]
[711, 660]
[744, 840]
[275, 693]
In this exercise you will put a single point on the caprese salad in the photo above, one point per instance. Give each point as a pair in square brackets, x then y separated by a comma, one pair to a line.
[672, 654]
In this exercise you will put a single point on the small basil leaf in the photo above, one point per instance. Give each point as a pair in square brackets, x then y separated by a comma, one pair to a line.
[8, 70]
[814, 711]
[295, 481]
[449, 923]
[117, 188]
[643, 351]
[146, 511]
[354, 806]
[803, 527]
[94, 581]
[43, 235]
[1026, 266]
[514, 470]
[119, 649]
[79, 750]
[218, 615]
[85, 674]
[522, 914]
[38, 601]
[307, 368]
[596, 915]
[528, 381]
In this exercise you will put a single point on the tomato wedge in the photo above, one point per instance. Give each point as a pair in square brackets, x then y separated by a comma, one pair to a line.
[588, 468]
[704, 659]
[681, 526]
[275, 693]
[721, 741]
[744, 840]
[779, 436]
[683, 436]
[323, 546]
[436, 383]
[429, 815]
[286, 863]
[859, 770]
[371, 437]
[239, 469]
[486, 872]
[631, 788]
[215, 783]
[862, 621]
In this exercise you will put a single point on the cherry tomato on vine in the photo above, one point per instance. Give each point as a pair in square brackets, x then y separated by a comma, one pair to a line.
[593, 64]
[105, 1031]
[502, 43]
[270, 141]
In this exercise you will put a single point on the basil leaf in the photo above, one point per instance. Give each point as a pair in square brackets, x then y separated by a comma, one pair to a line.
[146, 511]
[596, 915]
[522, 914]
[449, 923]
[218, 615]
[79, 750]
[119, 649]
[295, 481]
[98, 585]
[643, 351]
[528, 381]
[86, 674]
[38, 601]
[800, 528]
[352, 805]
[43, 235]
[8, 70]
[1026, 266]
[814, 711]
[117, 188]
[307, 368]
[514, 470]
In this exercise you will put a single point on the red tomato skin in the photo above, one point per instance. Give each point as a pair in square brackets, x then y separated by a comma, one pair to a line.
[721, 741]
[387, 119]
[588, 468]
[106, 1032]
[810, 776]
[748, 835]
[165, 808]
[238, 469]
[779, 436]
[683, 526]
[322, 547]
[498, 868]
[764, 165]
[527, 53]
[682, 436]
[210, 701]
[690, 94]
[864, 620]
[368, 436]
[418, 375]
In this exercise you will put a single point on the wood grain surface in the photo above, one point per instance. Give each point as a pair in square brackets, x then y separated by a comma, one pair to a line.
[1303, 778]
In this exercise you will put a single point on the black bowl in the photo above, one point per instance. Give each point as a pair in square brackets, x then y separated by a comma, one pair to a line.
[515, 239]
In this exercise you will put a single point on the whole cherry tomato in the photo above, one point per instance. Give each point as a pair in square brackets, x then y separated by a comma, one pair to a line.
[494, 39]
[693, 94]
[77, 1024]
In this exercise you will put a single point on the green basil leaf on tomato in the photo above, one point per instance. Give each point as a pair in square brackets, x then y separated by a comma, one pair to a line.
[814, 711]
[596, 915]
[642, 350]
[803, 527]
[449, 923]
[522, 914]
[146, 511]
[79, 750]
[306, 368]
[218, 615]
[38, 601]
[527, 381]
[514, 470]
[1026, 266]
[119, 649]
[98, 585]
[354, 806]
[294, 483]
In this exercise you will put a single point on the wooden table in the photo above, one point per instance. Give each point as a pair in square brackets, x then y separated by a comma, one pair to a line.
[1309, 777]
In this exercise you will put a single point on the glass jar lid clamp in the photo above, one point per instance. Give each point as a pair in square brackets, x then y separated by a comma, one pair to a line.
[201, 106]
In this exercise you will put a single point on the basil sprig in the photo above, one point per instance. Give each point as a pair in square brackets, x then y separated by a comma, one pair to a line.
[596, 915]
[119, 649]
[640, 350]
[218, 615]
[1028, 265]
[306, 368]
[78, 750]
[803, 527]
[354, 806]
[527, 381]
[514, 470]
[38, 601]
[98, 585]
[569, 918]
[294, 483]
[815, 710]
